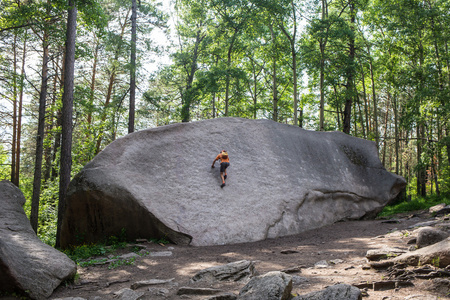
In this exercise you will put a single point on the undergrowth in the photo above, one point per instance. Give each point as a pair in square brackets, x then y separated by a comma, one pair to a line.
[93, 254]
[417, 203]
[80, 253]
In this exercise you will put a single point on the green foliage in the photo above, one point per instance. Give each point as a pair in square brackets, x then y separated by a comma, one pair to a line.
[114, 262]
[21, 296]
[5, 168]
[417, 203]
[48, 212]
[92, 262]
[436, 261]
[161, 241]
[82, 252]
[94, 254]
[120, 262]
[118, 241]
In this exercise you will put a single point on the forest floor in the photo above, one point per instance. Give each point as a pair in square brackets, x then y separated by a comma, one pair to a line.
[345, 243]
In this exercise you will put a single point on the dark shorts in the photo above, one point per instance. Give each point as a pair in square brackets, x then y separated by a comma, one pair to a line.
[224, 166]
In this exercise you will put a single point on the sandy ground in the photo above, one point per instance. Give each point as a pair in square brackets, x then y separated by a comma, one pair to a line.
[345, 243]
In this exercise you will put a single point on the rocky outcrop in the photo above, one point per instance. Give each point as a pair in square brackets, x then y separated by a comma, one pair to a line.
[27, 266]
[428, 236]
[335, 292]
[437, 255]
[270, 286]
[378, 254]
[282, 180]
[235, 271]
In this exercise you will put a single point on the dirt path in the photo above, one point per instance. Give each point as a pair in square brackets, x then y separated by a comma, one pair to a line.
[345, 243]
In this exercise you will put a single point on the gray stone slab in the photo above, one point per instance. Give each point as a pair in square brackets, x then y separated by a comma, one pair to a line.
[283, 180]
[27, 265]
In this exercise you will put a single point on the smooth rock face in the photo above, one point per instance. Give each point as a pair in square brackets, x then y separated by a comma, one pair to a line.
[26, 264]
[282, 180]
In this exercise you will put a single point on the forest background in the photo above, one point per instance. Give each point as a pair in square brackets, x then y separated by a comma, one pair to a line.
[75, 75]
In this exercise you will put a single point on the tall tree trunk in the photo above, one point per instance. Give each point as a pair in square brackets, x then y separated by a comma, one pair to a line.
[421, 171]
[213, 113]
[57, 143]
[292, 40]
[350, 75]
[187, 96]
[34, 214]
[50, 157]
[446, 124]
[92, 91]
[48, 148]
[440, 65]
[19, 112]
[228, 77]
[375, 106]
[112, 78]
[447, 129]
[386, 119]
[294, 73]
[366, 105]
[67, 111]
[361, 118]
[253, 86]
[396, 134]
[213, 104]
[434, 172]
[355, 129]
[14, 116]
[338, 112]
[131, 113]
[322, 90]
[322, 45]
[435, 177]
[255, 91]
[274, 78]
[274, 92]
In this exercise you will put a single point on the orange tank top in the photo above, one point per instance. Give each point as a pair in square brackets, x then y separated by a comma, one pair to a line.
[222, 159]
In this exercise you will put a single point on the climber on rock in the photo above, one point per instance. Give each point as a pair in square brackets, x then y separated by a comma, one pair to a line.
[224, 164]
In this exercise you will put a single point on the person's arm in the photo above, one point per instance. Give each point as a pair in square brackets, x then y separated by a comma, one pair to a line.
[217, 158]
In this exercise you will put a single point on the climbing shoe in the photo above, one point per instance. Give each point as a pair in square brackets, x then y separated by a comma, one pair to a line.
[225, 177]
[223, 184]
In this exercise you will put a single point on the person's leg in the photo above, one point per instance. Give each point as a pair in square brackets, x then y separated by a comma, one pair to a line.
[225, 170]
[223, 167]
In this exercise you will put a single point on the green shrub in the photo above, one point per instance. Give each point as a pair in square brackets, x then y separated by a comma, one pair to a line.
[417, 203]
[83, 252]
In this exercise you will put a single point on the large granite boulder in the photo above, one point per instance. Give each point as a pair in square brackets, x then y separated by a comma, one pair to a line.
[282, 180]
[27, 266]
